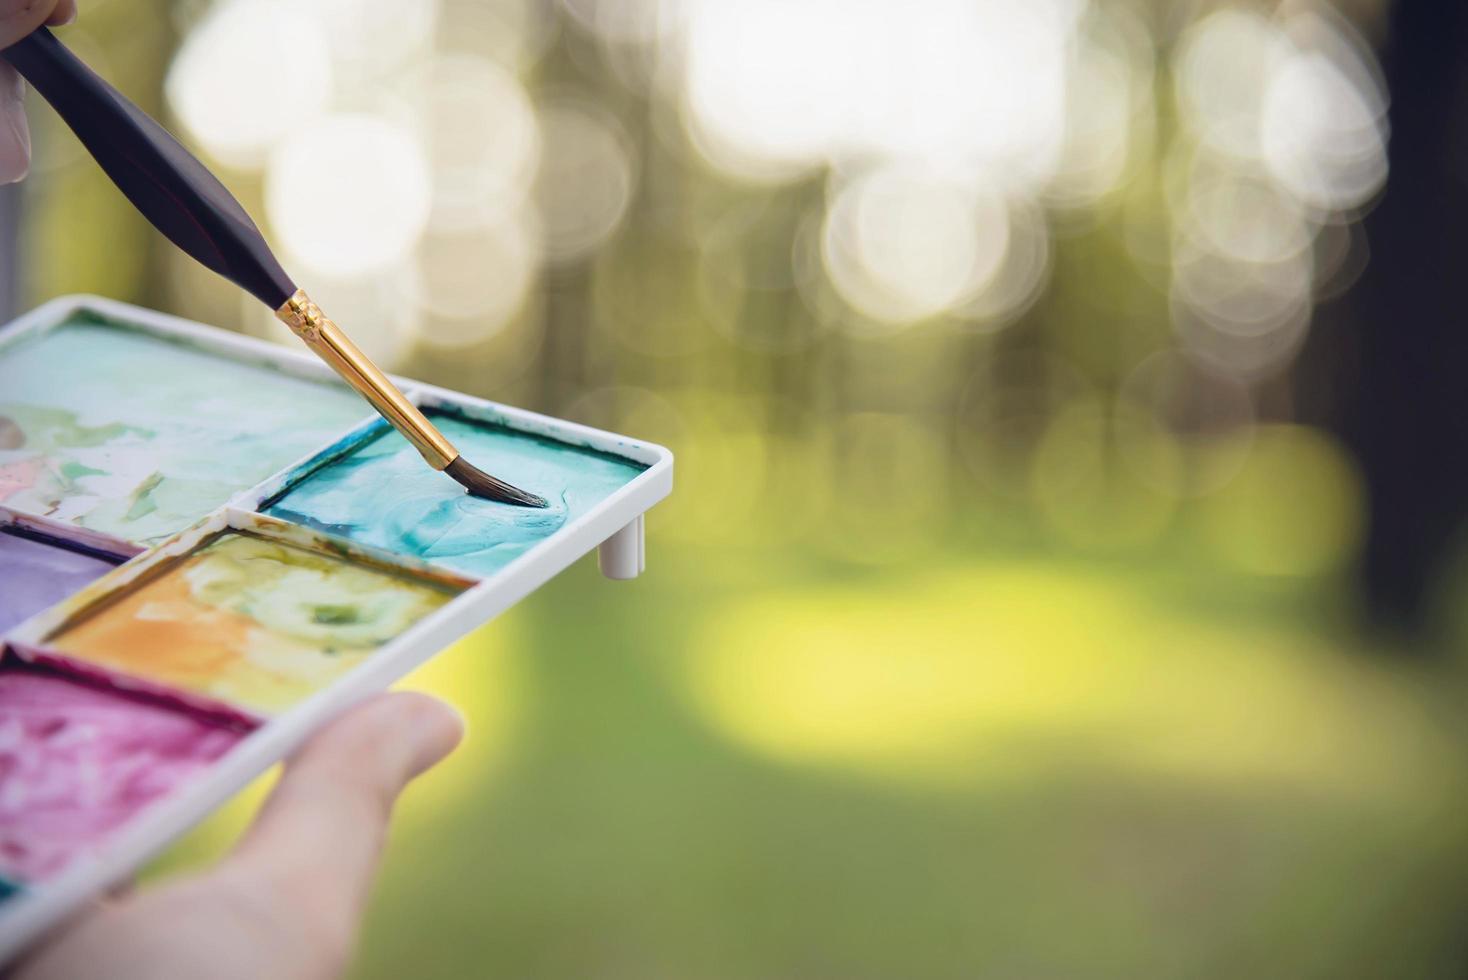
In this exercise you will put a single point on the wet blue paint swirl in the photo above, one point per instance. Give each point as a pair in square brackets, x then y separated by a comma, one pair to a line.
[382, 494]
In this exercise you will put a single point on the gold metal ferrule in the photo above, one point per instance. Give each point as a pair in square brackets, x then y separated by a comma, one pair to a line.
[335, 348]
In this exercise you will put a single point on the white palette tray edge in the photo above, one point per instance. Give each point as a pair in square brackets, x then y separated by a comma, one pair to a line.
[614, 527]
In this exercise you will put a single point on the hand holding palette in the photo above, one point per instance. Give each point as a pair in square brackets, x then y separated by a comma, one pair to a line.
[207, 551]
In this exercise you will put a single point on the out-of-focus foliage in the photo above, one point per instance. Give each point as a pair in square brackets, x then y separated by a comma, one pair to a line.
[994, 626]
[1038, 266]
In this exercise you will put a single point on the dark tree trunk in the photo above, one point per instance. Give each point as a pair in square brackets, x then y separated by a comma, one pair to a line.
[1406, 403]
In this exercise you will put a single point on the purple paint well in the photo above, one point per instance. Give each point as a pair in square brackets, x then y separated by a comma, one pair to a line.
[35, 575]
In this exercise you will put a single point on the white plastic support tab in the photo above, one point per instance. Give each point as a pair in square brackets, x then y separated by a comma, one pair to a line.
[624, 554]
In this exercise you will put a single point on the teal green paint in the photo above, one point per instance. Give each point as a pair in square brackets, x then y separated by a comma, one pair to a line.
[384, 495]
[73, 470]
[139, 436]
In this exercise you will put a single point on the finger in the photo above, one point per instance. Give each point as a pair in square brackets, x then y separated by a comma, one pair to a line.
[64, 14]
[15, 135]
[319, 835]
[19, 17]
[121, 892]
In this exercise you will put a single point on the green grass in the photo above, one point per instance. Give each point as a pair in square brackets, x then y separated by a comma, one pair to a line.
[1008, 768]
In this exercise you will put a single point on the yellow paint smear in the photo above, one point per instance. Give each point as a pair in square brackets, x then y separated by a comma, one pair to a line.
[254, 624]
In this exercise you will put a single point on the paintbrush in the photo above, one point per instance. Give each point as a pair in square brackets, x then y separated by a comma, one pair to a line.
[189, 205]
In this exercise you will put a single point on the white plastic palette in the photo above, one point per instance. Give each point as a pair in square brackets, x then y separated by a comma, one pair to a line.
[415, 601]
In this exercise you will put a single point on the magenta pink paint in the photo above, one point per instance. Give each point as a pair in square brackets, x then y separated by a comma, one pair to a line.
[77, 763]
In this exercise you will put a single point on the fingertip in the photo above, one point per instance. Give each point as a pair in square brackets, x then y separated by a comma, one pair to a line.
[19, 18]
[15, 142]
[337, 792]
[396, 736]
[64, 13]
[435, 727]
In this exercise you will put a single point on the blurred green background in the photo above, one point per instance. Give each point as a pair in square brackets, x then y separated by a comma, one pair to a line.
[1002, 622]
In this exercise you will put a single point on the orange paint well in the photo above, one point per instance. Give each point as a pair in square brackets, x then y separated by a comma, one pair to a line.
[252, 624]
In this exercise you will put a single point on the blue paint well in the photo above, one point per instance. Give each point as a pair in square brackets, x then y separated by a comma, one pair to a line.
[383, 494]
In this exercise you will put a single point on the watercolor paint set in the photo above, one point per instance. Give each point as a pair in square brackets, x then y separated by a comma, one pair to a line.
[209, 547]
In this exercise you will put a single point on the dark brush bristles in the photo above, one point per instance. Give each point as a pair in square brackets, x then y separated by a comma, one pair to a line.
[481, 484]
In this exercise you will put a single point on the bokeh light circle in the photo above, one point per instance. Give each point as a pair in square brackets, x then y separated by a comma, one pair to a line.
[1004, 411]
[350, 194]
[1246, 318]
[371, 40]
[1323, 135]
[750, 277]
[1209, 414]
[1222, 67]
[772, 90]
[1107, 80]
[1106, 477]
[226, 84]
[760, 100]
[473, 282]
[902, 246]
[1021, 278]
[1246, 219]
[513, 33]
[587, 177]
[483, 141]
[1297, 507]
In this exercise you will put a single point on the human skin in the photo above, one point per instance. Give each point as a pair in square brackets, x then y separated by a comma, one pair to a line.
[287, 901]
[17, 19]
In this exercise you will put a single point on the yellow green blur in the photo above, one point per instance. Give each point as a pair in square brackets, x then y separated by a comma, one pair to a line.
[955, 657]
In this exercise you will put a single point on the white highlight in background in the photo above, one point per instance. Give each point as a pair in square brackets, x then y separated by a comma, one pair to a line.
[773, 89]
[587, 177]
[482, 138]
[902, 246]
[350, 195]
[228, 85]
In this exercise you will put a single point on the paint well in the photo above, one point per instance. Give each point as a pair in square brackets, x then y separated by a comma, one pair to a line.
[245, 623]
[77, 763]
[35, 574]
[383, 495]
[138, 436]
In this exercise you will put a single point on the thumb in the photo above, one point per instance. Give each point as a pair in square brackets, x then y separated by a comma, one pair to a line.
[19, 17]
[15, 134]
[317, 840]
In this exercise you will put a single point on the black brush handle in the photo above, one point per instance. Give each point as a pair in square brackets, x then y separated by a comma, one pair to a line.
[164, 181]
